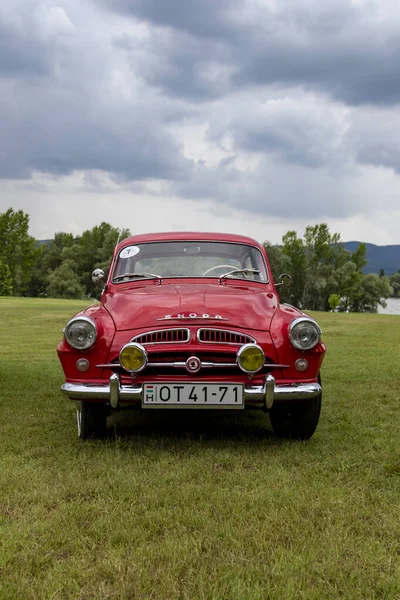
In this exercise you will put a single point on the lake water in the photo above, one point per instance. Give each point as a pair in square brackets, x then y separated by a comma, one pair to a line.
[393, 307]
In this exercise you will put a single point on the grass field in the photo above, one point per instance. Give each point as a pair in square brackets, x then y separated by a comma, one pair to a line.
[209, 507]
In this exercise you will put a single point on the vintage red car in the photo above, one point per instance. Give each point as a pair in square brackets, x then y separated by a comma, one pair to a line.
[192, 320]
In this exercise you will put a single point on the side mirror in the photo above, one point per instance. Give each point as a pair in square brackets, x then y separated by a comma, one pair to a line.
[281, 279]
[97, 275]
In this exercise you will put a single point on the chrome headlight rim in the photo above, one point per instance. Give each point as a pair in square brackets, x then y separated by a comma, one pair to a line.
[70, 341]
[139, 347]
[295, 343]
[240, 352]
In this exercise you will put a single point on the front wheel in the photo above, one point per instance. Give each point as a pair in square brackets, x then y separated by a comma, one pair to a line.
[296, 420]
[91, 420]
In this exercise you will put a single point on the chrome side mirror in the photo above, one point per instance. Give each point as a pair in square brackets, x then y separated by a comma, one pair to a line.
[97, 275]
[281, 279]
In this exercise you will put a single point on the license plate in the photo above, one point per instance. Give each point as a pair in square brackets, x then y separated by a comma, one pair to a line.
[192, 395]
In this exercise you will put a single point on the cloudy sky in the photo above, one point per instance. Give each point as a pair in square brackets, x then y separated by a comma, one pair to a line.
[250, 116]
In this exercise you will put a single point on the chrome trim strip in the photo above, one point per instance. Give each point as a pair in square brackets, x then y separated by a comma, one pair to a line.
[249, 337]
[171, 365]
[265, 394]
[182, 364]
[162, 331]
[203, 365]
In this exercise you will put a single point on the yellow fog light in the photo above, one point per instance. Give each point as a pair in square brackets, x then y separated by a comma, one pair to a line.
[133, 357]
[250, 358]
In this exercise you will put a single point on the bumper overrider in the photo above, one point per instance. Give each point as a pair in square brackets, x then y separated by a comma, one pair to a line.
[257, 396]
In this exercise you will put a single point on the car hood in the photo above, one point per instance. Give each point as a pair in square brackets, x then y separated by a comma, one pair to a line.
[154, 305]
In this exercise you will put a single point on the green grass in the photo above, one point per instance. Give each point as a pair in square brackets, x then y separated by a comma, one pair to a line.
[199, 507]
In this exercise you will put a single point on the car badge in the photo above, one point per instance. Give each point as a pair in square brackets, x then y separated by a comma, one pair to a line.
[190, 316]
[193, 364]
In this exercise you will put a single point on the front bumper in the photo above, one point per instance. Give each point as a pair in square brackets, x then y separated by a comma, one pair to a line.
[255, 396]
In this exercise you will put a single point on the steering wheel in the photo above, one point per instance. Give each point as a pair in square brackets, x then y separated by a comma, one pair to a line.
[230, 267]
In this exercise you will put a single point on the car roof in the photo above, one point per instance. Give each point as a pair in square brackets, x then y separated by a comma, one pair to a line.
[178, 236]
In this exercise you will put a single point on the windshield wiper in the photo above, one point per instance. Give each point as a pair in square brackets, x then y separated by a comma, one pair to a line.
[139, 275]
[245, 271]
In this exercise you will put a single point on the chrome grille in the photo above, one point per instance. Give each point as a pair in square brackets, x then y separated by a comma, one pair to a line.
[163, 336]
[223, 336]
[170, 363]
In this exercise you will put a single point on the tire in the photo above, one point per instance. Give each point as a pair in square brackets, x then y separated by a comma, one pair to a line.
[91, 420]
[296, 420]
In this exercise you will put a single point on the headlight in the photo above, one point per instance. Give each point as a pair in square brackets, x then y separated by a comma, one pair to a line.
[250, 358]
[133, 357]
[80, 333]
[304, 333]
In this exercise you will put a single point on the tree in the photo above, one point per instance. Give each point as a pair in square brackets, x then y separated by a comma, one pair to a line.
[324, 274]
[347, 281]
[371, 291]
[359, 256]
[294, 251]
[94, 248]
[325, 256]
[49, 258]
[279, 264]
[334, 301]
[395, 284]
[63, 282]
[17, 248]
[5, 280]
[314, 263]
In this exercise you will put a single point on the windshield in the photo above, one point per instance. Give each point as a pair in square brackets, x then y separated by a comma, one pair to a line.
[190, 259]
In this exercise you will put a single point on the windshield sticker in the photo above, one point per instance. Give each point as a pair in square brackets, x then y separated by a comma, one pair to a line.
[129, 251]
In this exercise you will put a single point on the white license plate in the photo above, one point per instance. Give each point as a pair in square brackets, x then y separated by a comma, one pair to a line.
[192, 395]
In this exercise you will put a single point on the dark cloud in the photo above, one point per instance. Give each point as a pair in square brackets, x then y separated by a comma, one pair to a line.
[301, 130]
[79, 110]
[204, 18]
[22, 52]
[270, 189]
[335, 47]
[272, 108]
[177, 65]
[58, 134]
[356, 72]
[375, 137]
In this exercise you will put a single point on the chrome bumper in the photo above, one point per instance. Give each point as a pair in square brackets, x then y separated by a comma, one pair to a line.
[262, 396]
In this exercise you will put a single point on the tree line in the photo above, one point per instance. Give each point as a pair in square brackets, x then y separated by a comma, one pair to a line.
[324, 276]
[58, 268]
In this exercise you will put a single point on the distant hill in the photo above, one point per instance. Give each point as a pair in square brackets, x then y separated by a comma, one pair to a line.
[379, 257]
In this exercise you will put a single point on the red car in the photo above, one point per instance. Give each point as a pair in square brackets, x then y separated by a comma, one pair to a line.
[192, 320]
